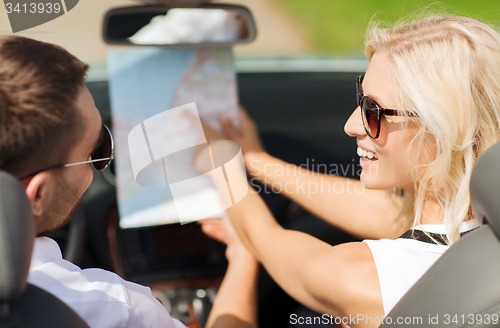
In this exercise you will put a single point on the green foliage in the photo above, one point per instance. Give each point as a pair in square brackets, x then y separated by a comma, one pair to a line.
[339, 26]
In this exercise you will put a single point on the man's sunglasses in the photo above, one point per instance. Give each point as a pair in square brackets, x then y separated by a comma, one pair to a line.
[371, 112]
[100, 157]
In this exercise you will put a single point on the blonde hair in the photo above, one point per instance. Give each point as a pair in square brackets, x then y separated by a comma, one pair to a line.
[447, 70]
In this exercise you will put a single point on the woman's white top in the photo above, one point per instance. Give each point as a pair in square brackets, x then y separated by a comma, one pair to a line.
[401, 262]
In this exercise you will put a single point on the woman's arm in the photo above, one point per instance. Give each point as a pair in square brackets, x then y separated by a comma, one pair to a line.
[342, 202]
[339, 281]
[235, 304]
[236, 301]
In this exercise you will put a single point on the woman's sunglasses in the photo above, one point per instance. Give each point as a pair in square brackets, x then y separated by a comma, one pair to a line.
[100, 157]
[371, 112]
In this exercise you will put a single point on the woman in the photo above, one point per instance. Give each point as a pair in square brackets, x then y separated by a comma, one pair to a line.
[428, 106]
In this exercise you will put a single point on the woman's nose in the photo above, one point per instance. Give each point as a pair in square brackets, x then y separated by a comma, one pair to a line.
[354, 125]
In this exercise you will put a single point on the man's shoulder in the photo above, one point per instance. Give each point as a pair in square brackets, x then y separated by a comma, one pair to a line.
[85, 291]
[100, 297]
[47, 263]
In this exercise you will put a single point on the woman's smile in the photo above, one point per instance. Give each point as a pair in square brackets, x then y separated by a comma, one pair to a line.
[367, 158]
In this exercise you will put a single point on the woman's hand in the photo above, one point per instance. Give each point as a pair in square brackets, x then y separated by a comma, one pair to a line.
[247, 136]
[223, 231]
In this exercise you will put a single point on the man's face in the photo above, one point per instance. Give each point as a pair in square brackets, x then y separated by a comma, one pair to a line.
[63, 188]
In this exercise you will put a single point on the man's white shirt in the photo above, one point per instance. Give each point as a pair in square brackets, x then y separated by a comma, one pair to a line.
[100, 297]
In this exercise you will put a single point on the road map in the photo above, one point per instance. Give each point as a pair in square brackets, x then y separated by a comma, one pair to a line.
[146, 82]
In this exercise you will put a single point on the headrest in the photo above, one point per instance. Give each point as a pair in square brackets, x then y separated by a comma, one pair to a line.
[485, 188]
[17, 233]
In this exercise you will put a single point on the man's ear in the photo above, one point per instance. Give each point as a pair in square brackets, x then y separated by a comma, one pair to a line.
[37, 191]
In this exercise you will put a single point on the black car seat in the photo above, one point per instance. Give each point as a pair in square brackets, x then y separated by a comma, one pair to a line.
[462, 289]
[22, 304]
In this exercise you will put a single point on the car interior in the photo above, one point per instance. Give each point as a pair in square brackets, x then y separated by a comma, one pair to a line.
[297, 121]
[300, 115]
[441, 292]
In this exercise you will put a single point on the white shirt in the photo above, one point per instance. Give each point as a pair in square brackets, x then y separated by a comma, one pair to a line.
[100, 297]
[402, 262]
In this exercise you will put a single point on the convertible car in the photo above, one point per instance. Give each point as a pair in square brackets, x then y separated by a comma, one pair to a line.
[300, 106]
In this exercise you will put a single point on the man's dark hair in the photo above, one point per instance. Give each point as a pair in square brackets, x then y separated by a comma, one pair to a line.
[39, 85]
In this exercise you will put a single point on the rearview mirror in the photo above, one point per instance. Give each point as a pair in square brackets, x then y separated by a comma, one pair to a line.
[209, 24]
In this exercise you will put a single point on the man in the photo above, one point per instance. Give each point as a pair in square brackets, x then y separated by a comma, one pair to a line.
[50, 134]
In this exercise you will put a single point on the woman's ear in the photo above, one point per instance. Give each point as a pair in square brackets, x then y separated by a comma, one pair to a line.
[37, 191]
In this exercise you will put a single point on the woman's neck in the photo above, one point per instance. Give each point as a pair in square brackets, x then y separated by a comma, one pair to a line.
[432, 213]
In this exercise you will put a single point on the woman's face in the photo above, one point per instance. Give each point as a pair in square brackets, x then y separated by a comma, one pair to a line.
[390, 166]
